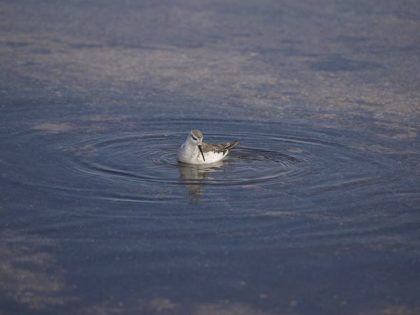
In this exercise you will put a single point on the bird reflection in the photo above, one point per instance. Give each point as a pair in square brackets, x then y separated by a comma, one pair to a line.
[195, 176]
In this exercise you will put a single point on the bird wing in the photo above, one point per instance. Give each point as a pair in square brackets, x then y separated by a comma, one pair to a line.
[219, 148]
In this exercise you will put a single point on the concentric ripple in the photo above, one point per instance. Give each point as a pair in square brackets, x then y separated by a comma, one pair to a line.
[331, 177]
[141, 166]
[152, 158]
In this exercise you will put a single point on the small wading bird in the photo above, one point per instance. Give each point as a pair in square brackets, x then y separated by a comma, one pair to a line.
[195, 151]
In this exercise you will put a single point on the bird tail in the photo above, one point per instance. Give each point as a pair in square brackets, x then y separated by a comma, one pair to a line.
[231, 145]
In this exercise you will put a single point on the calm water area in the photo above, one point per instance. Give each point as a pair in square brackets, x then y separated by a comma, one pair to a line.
[317, 211]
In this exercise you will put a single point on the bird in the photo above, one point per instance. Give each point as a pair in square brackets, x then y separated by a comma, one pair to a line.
[195, 151]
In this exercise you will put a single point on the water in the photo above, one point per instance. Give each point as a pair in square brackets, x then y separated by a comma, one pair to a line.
[100, 212]
[315, 212]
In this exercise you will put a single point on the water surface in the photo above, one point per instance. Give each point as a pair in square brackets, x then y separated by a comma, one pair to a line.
[293, 206]
[315, 212]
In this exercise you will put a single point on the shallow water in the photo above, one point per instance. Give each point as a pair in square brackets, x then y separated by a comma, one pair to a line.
[295, 205]
[315, 212]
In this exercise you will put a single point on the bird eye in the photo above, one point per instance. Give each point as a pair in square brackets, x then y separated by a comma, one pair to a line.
[194, 138]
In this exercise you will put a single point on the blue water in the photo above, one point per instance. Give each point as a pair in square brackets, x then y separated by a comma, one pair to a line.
[300, 217]
[315, 212]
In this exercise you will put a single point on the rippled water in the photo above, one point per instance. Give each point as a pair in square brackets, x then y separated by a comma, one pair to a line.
[316, 212]
[287, 185]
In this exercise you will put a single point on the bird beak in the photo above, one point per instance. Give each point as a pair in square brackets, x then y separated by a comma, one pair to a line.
[201, 151]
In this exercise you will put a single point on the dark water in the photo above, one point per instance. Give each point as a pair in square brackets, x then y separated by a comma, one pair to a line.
[98, 216]
[315, 212]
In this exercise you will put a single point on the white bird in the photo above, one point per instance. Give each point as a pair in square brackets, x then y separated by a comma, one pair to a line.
[195, 151]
